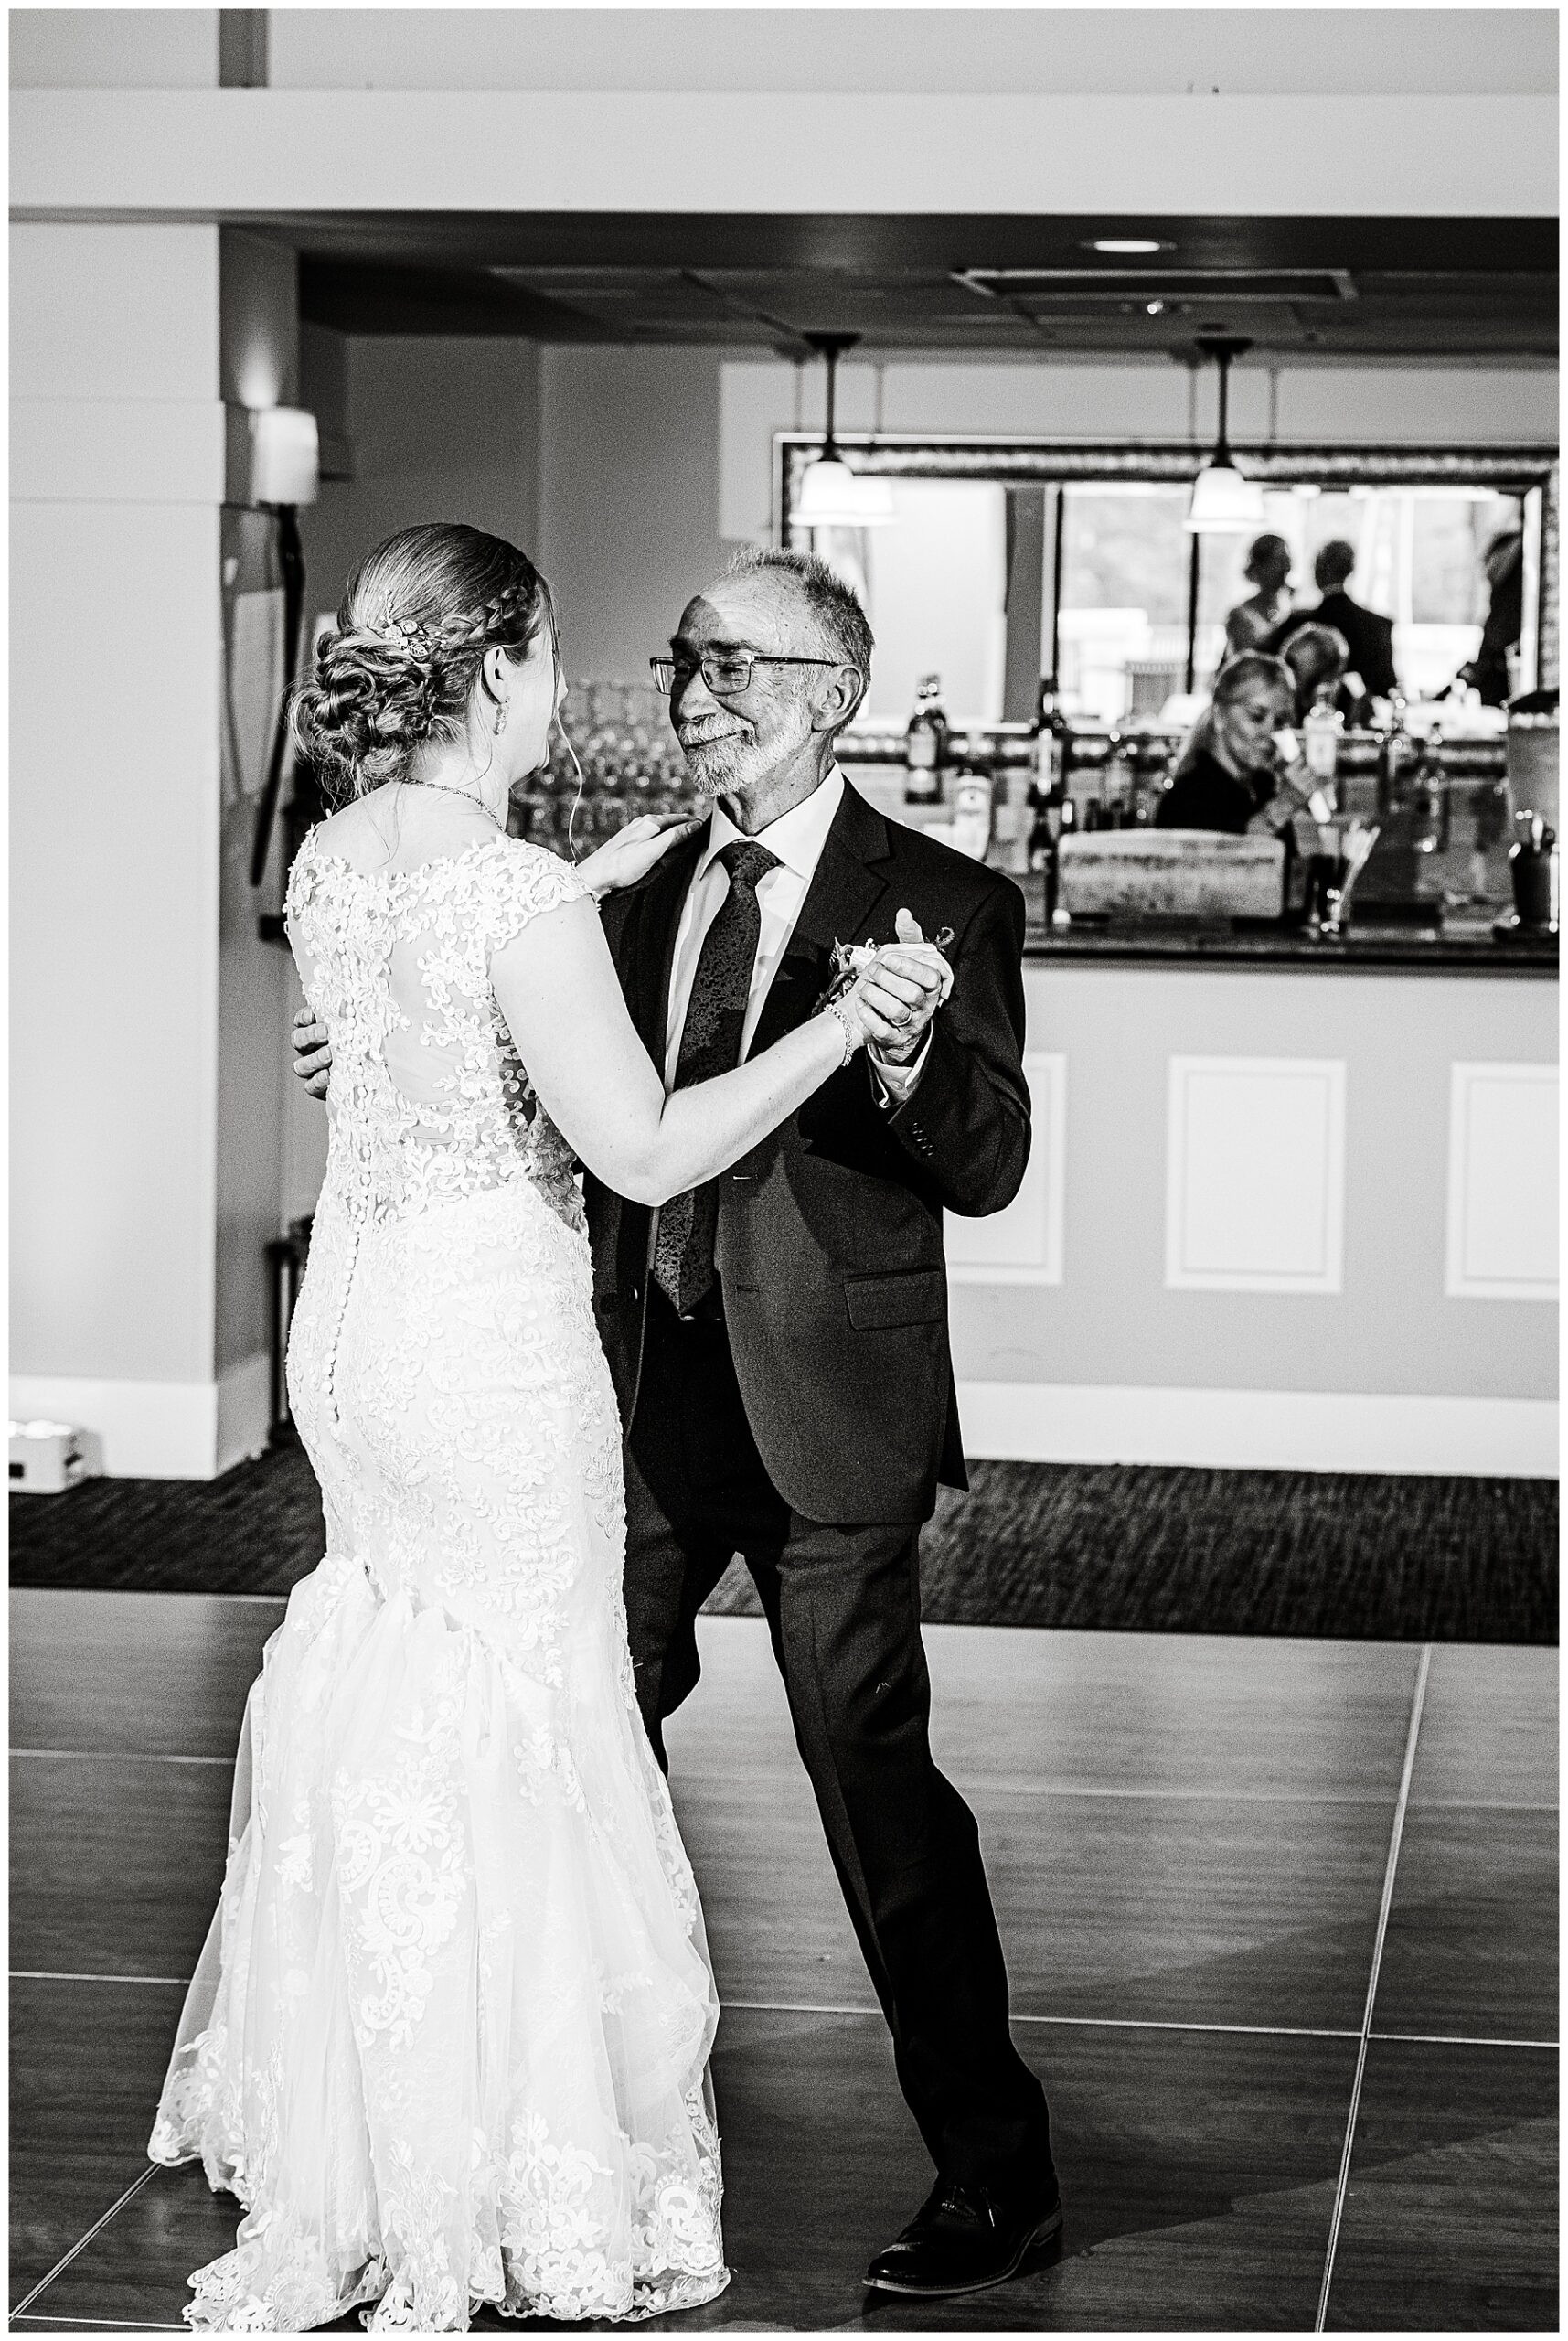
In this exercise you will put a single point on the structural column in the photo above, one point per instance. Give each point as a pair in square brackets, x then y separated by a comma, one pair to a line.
[117, 480]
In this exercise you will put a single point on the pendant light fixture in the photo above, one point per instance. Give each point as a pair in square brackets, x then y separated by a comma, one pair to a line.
[831, 495]
[1223, 503]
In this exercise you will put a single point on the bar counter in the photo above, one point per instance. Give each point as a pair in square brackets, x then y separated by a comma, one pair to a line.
[1286, 1207]
[1454, 946]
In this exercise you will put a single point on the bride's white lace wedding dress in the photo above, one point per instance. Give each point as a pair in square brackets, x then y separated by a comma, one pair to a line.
[448, 2041]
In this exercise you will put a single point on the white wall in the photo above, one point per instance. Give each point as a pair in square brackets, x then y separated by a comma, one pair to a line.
[436, 430]
[1250, 50]
[628, 497]
[226, 151]
[1499, 50]
[114, 848]
[114, 48]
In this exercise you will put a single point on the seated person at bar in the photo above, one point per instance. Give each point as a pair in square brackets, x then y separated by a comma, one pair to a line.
[1317, 656]
[1369, 637]
[1250, 623]
[1229, 774]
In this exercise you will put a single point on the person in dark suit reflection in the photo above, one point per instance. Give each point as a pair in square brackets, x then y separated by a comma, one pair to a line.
[1503, 562]
[779, 1341]
[1368, 636]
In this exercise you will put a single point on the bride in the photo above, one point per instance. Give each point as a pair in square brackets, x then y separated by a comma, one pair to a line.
[448, 2040]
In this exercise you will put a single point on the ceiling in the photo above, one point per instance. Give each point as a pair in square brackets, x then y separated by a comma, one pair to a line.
[966, 286]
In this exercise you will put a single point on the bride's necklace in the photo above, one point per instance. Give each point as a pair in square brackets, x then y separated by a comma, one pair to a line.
[444, 789]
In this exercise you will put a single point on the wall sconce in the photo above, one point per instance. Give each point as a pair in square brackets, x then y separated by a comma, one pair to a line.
[274, 458]
[285, 459]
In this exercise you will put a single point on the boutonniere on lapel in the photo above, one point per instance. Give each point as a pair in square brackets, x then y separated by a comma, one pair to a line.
[849, 958]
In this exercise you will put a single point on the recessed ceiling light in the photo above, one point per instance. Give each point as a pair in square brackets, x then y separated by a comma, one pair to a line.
[1131, 244]
[1155, 308]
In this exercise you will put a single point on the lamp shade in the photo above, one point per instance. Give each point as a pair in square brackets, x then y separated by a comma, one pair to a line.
[1223, 502]
[831, 496]
[284, 464]
[873, 501]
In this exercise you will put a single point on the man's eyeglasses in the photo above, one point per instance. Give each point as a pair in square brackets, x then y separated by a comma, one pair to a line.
[727, 673]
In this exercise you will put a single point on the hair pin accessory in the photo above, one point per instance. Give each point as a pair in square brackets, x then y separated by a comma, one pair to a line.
[405, 634]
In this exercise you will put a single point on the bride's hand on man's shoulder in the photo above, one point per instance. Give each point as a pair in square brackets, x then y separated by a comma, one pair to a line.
[313, 1051]
[632, 853]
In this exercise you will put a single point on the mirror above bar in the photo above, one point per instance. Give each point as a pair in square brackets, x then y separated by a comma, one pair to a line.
[1028, 572]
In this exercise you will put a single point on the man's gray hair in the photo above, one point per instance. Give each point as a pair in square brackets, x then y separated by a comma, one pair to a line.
[834, 607]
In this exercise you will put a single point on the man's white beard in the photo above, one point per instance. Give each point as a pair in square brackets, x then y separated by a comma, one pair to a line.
[734, 764]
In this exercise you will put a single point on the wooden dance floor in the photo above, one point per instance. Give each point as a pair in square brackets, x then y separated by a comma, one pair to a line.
[1280, 1917]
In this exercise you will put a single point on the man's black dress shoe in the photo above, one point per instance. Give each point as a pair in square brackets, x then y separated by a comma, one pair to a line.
[963, 2240]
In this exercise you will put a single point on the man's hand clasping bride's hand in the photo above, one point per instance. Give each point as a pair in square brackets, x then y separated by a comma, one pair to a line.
[899, 989]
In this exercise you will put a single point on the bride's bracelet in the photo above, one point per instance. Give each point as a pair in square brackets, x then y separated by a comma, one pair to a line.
[831, 1008]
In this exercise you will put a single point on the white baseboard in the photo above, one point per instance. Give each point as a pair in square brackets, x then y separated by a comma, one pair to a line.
[158, 1431]
[1260, 1430]
[193, 1430]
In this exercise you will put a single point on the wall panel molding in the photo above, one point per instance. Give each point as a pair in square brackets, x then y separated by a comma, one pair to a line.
[1024, 1244]
[1502, 1182]
[1255, 1175]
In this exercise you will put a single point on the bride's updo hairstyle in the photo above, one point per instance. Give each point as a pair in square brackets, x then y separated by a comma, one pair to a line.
[399, 669]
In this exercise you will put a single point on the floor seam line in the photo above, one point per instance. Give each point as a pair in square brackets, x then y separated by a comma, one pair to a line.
[1091, 2023]
[115, 1756]
[82, 2241]
[1088, 2023]
[1391, 1869]
[108, 2324]
[75, 1976]
[1465, 2040]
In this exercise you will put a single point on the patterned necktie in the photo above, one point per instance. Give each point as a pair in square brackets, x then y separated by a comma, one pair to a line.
[710, 1044]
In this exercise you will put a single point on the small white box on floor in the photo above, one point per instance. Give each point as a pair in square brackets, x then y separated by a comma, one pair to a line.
[47, 1457]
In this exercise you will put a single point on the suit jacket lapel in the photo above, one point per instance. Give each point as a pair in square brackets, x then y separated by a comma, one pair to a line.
[844, 890]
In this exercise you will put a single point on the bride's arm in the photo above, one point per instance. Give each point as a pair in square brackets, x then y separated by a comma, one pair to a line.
[558, 989]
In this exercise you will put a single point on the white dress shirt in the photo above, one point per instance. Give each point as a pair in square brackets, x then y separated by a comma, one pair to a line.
[796, 838]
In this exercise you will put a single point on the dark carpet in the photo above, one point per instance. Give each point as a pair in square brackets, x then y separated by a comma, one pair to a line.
[1118, 1548]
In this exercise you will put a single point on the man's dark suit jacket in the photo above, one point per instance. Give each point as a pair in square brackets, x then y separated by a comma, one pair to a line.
[829, 1236]
[1371, 639]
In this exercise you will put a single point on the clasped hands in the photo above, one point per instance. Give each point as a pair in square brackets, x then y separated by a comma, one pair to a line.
[897, 990]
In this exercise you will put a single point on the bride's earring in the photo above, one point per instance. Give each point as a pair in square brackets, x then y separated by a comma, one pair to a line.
[501, 713]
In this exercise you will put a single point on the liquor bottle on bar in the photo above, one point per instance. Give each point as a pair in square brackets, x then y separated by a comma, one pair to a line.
[1053, 734]
[925, 743]
[1320, 730]
[1050, 746]
[1065, 822]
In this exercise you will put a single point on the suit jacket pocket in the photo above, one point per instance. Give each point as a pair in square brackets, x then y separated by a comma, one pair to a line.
[910, 1297]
